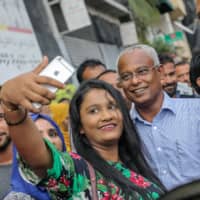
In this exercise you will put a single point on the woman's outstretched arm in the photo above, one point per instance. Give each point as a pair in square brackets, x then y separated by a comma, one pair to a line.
[17, 95]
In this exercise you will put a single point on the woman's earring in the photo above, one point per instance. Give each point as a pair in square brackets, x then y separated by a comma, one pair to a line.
[82, 132]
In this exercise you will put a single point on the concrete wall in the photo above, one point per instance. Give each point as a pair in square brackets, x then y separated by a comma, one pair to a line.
[42, 28]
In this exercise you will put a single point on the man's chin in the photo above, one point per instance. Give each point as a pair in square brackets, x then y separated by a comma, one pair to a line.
[142, 102]
[5, 144]
[137, 98]
[171, 93]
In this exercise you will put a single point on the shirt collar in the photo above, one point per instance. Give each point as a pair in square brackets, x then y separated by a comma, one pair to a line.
[168, 105]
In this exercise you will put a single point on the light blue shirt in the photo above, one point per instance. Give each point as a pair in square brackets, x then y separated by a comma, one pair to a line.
[171, 143]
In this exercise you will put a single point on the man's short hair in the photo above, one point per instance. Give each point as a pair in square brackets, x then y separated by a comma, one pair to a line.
[106, 72]
[150, 51]
[165, 58]
[91, 63]
[181, 63]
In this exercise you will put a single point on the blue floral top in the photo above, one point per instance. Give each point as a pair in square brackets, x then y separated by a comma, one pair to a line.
[69, 179]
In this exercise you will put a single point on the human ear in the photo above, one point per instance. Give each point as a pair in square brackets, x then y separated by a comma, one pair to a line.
[160, 68]
[119, 84]
[198, 81]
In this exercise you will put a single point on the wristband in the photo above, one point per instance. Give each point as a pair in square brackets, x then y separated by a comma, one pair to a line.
[20, 121]
[16, 110]
[8, 109]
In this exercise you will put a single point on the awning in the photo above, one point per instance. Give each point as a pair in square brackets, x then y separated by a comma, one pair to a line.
[110, 7]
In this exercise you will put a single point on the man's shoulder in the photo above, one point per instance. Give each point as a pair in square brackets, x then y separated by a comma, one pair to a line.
[186, 101]
[181, 106]
[184, 104]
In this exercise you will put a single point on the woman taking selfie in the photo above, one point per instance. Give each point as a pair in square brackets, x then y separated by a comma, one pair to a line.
[103, 135]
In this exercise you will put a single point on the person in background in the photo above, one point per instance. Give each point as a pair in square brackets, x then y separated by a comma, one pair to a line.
[62, 95]
[59, 109]
[195, 73]
[183, 72]
[45, 109]
[110, 76]
[168, 74]
[24, 190]
[5, 156]
[60, 114]
[103, 135]
[89, 69]
[65, 94]
[168, 127]
[169, 81]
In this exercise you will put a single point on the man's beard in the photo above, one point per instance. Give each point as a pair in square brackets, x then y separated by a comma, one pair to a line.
[6, 143]
[171, 93]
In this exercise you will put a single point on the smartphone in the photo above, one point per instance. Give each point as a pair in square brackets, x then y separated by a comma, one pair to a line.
[57, 69]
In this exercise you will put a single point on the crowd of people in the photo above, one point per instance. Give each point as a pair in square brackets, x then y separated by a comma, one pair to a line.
[125, 134]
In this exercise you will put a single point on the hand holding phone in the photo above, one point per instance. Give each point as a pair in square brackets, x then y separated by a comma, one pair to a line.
[57, 69]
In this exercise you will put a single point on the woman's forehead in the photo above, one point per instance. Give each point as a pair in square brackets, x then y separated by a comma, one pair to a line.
[42, 121]
[97, 95]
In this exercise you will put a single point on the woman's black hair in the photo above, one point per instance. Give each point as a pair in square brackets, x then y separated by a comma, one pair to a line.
[129, 143]
[195, 71]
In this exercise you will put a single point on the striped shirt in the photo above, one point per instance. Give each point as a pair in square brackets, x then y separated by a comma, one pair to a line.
[171, 143]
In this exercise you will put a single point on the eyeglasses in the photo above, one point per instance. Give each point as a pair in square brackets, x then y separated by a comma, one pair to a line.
[140, 73]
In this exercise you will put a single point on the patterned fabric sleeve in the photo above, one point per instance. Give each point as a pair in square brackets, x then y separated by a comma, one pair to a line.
[68, 179]
[29, 176]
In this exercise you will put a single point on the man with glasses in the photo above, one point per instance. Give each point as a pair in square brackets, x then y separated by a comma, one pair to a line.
[169, 128]
[5, 156]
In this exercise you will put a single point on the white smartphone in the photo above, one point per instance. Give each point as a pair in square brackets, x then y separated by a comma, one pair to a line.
[57, 69]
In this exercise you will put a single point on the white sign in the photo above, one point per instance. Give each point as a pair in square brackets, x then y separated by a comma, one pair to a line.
[75, 14]
[19, 50]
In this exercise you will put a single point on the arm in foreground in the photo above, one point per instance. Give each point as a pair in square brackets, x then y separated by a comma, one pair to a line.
[17, 95]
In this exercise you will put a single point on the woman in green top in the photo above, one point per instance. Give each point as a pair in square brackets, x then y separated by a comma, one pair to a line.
[103, 134]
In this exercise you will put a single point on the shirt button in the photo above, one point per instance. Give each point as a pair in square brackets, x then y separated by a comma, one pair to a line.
[155, 127]
[159, 149]
[164, 172]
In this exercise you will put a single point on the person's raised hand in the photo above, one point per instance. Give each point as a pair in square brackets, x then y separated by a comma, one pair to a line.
[28, 88]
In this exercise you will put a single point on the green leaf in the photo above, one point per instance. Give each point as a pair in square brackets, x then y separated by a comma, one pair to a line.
[162, 47]
[145, 11]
